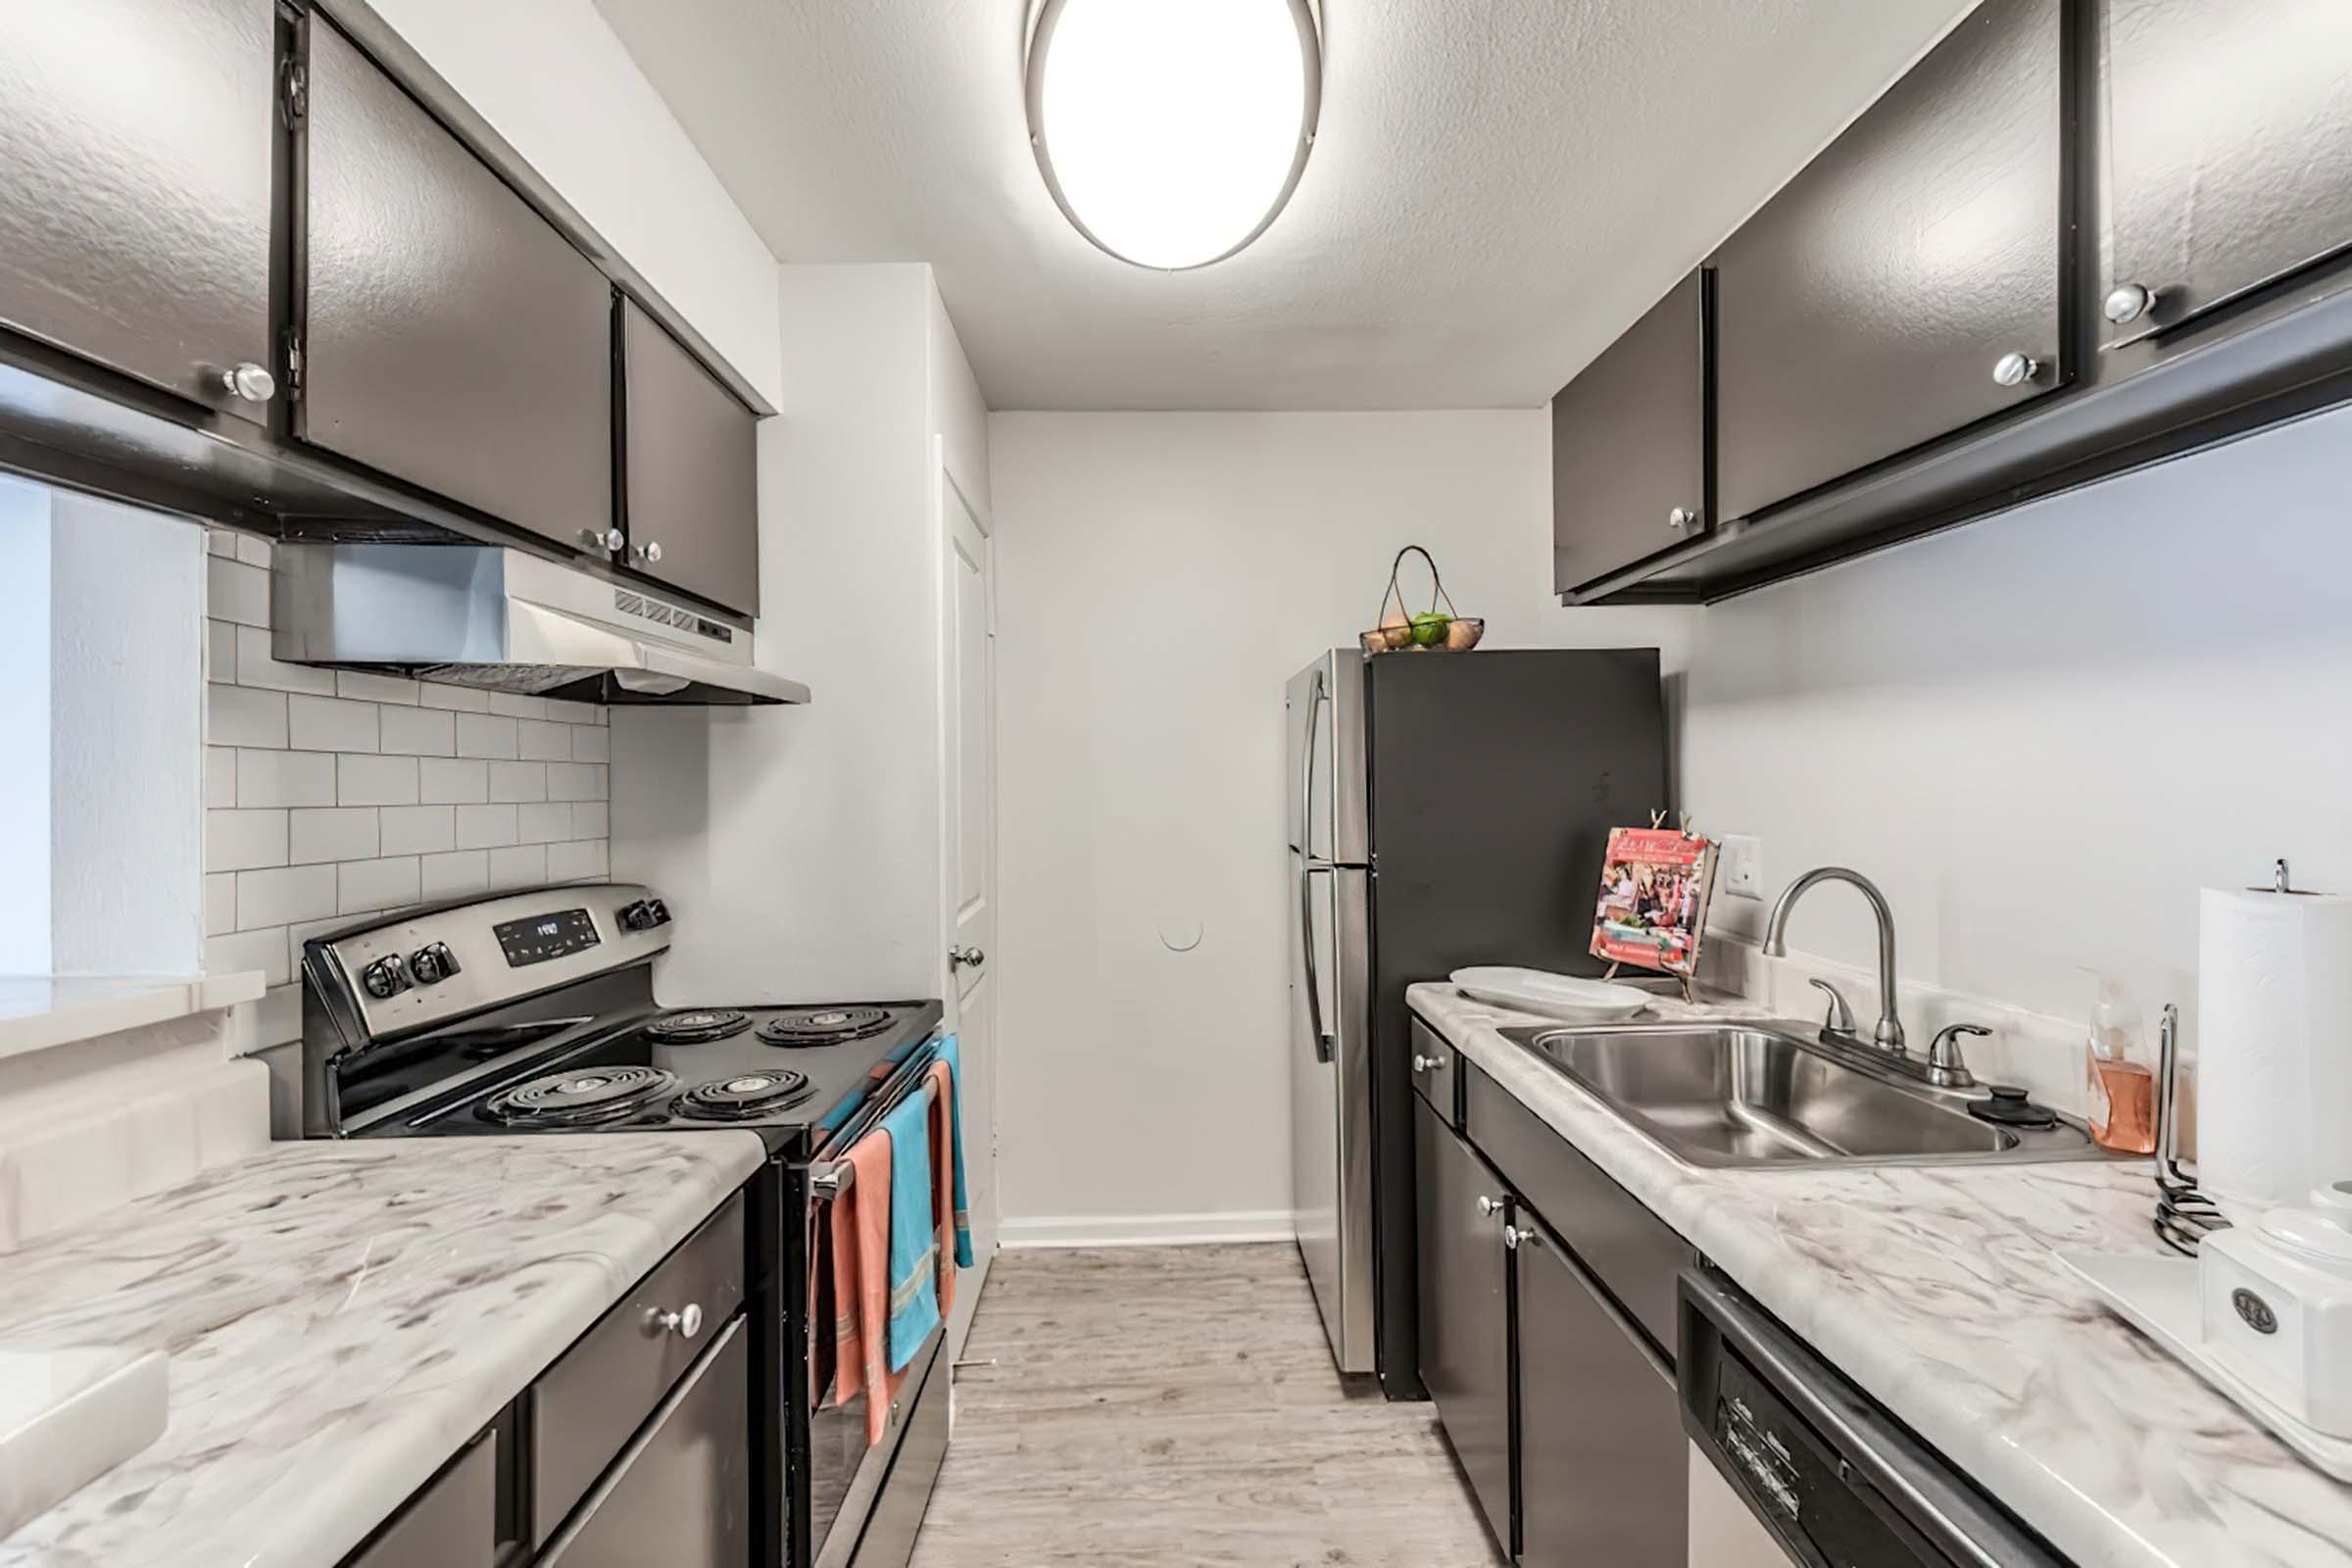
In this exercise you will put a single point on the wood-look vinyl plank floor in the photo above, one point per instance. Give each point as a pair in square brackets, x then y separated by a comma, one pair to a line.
[1151, 1407]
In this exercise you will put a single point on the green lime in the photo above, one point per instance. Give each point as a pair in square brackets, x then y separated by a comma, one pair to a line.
[1429, 628]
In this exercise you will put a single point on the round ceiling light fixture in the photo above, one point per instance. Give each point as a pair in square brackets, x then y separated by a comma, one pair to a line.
[1172, 131]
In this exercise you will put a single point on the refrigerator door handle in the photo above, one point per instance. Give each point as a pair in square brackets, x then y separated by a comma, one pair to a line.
[1306, 942]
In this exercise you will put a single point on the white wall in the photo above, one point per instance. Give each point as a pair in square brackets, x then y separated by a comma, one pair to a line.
[2044, 732]
[24, 853]
[1160, 577]
[801, 847]
[555, 81]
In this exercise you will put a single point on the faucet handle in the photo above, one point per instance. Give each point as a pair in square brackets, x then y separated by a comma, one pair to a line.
[1840, 1019]
[1947, 1068]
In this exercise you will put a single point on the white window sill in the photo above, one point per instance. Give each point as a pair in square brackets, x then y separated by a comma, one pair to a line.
[39, 1011]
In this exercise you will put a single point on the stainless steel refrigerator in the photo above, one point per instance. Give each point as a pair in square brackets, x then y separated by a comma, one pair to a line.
[1443, 809]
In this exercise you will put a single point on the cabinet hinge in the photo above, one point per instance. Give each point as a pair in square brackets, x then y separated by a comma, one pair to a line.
[293, 362]
[294, 91]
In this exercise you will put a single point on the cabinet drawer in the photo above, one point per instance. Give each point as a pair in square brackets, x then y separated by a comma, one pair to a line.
[585, 1408]
[1636, 1256]
[1437, 1073]
[452, 1523]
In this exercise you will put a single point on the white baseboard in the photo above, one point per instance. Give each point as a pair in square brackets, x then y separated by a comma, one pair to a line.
[1144, 1229]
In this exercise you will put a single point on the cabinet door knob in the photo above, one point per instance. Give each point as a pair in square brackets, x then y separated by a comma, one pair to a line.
[1486, 1206]
[2014, 369]
[250, 381]
[1680, 518]
[2128, 302]
[1514, 1237]
[608, 539]
[1423, 1063]
[651, 552]
[685, 1323]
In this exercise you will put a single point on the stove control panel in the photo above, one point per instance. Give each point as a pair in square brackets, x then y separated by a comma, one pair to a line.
[414, 968]
[537, 938]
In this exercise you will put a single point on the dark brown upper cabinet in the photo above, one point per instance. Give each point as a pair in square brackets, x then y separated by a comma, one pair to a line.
[691, 507]
[1629, 461]
[1907, 282]
[135, 189]
[453, 339]
[2229, 152]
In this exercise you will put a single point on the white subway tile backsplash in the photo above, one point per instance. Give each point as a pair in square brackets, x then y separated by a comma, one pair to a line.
[419, 829]
[445, 781]
[332, 833]
[418, 731]
[236, 717]
[256, 667]
[331, 793]
[238, 841]
[235, 591]
[362, 780]
[542, 823]
[331, 724]
[570, 862]
[517, 705]
[575, 781]
[518, 781]
[364, 885]
[285, 778]
[485, 827]
[484, 735]
[264, 951]
[369, 688]
[219, 902]
[284, 895]
[457, 699]
[522, 866]
[445, 876]
[543, 742]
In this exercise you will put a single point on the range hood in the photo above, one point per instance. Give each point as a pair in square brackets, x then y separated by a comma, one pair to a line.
[506, 621]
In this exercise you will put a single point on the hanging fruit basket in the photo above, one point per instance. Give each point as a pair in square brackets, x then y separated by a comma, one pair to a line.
[1427, 631]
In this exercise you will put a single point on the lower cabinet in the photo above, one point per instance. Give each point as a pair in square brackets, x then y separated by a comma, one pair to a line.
[1559, 1403]
[1465, 1313]
[1601, 1450]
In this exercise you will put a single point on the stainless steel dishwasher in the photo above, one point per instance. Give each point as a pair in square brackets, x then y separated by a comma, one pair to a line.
[1834, 1479]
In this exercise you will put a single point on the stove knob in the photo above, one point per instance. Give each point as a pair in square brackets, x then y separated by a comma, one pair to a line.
[432, 964]
[387, 976]
[658, 912]
[636, 916]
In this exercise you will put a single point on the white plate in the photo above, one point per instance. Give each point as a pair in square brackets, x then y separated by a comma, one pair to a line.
[2158, 1296]
[1555, 995]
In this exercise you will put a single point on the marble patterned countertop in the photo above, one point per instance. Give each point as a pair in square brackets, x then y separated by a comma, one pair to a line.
[1935, 1289]
[340, 1317]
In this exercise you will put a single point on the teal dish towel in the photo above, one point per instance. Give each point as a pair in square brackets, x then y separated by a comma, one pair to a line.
[950, 1053]
[913, 1234]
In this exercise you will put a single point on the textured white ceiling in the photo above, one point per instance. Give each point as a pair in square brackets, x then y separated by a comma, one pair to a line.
[1497, 188]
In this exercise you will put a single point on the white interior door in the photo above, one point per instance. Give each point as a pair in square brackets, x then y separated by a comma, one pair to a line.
[968, 739]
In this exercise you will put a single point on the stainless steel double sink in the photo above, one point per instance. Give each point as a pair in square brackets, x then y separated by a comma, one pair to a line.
[1774, 1095]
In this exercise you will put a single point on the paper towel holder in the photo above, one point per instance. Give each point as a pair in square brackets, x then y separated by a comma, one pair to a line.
[2280, 882]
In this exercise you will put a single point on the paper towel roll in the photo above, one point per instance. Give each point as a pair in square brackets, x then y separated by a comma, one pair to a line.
[2273, 1047]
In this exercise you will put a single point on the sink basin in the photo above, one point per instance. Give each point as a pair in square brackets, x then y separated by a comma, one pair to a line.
[1772, 1095]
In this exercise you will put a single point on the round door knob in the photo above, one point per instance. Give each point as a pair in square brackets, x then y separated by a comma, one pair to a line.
[250, 381]
[1514, 1237]
[685, 1323]
[2014, 369]
[649, 551]
[1486, 1205]
[1423, 1063]
[611, 539]
[2128, 302]
[967, 956]
[1680, 518]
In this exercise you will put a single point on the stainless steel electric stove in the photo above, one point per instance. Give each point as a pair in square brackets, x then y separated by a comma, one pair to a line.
[533, 1013]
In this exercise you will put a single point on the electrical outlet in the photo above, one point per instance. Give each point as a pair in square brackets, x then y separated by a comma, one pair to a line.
[1743, 865]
